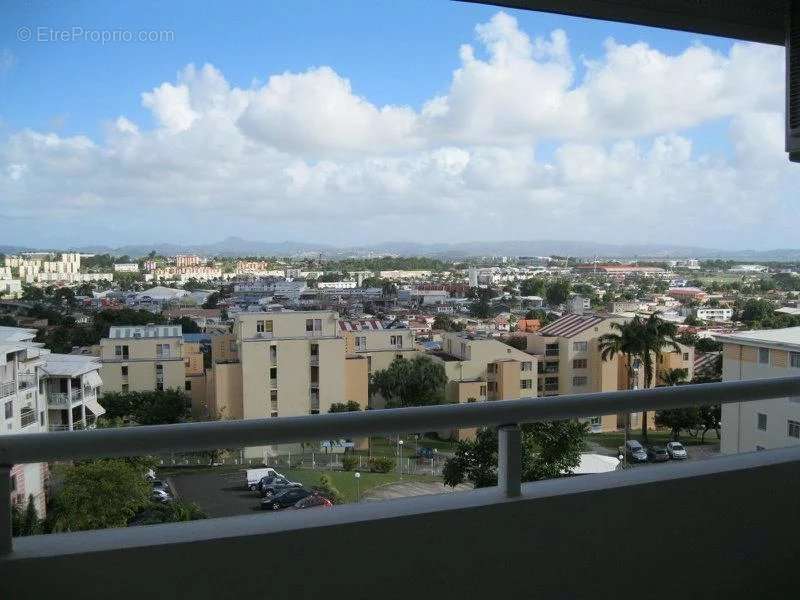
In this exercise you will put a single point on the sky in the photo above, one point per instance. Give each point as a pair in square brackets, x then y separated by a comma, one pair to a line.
[356, 122]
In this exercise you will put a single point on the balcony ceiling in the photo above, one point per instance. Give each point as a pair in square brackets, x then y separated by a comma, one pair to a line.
[751, 20]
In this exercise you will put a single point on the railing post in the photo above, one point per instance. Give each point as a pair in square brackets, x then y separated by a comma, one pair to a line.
[5, 510]
[509, 460]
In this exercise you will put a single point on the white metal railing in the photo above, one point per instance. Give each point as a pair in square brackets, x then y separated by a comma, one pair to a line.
[8, 388]
[24, 448]
[26, 380]
[58, 398]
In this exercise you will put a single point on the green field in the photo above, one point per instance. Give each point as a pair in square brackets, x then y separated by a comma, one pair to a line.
[345, 481]
[381, 446]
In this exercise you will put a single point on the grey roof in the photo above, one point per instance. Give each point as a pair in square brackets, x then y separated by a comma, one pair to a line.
[70, 365]
[788, 337]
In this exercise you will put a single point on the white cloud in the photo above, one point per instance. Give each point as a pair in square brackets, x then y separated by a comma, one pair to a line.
[305, 154]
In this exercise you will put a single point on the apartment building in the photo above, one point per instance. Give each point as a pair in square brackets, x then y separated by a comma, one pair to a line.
[570, 363]
[705, 313]
[24, 407]
[760, 424]
[482, 368]
[140, 358]
[379, 346]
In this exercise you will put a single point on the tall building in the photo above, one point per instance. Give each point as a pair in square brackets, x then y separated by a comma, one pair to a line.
[760, 424]
[72, 386]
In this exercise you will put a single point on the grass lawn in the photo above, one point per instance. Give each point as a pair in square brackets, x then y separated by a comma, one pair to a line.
[345, 481]
[381, 446]
[614, 439]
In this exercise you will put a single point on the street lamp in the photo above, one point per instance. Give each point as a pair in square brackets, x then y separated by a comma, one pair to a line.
[357, 475]
[400, 456]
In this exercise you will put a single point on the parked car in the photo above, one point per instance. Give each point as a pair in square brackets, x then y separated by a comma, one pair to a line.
[255, 475]
[284, 499]
[312, 501]
[634, 451]
[160, 485]
[425, 453]
[158, 495]
[277, 485]
[657, 454]
[676, 451]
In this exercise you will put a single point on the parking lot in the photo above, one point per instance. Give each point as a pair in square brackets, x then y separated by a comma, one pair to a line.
[218, 494]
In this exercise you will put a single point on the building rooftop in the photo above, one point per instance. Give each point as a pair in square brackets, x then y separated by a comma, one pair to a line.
[570, 325]
[70, 365]
[788, 336]
[144, 331]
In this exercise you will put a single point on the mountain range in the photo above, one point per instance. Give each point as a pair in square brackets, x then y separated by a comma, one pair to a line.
[235, 246]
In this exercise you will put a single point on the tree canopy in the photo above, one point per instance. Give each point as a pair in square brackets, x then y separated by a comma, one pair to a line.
[146, 408]
[416, 382]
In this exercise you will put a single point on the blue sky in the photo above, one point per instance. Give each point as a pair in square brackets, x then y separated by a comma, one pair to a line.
[401, 54]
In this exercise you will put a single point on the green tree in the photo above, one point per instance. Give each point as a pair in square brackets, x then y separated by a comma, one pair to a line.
[192, 284]
[756, 310]
[25, 522]
[350, 406]
[32, 293]
[174, 511]
[212, 301]
[549, 450]
[674, 376]
[187, 324]
[8, 321]
[64, 295]
[707, 345]
[678, 419]
[557, 292]
[326, 489]
[147, 408]
[710, 418]
[534, 286]
[416, 382]
[446, 323]
[99, 494]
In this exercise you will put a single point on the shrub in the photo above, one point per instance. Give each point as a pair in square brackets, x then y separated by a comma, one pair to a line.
[381, 465]
[349, 462]
[326, 489]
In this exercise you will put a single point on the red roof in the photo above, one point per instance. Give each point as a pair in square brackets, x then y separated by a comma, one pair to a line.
[570, 325]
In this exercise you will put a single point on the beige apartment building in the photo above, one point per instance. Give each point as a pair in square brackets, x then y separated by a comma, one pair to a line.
[760, 424]
[379, 346]
[139, 358]
[480, 369]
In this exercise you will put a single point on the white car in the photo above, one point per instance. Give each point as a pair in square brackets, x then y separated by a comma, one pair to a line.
[677, 451]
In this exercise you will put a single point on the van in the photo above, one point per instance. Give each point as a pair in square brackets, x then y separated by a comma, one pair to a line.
[255, 475]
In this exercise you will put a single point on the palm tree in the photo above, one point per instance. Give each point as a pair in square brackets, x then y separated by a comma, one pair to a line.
[623, 340]
[674, 376]
[654, 335]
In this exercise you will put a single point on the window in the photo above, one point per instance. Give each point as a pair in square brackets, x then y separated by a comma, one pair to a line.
[313, 325]
[685, 356]
[396, 340]
[41, 418]
[187, 385]
[369, 364]
[159, 386]
[273, 403]
[314, 349]
[124, 388]
[525, 384]
[794, 429]
[259, 326]
[491, 386]
[361, 343]
[314, 375]
[124, 371]
[273, 354]
[579, 363]
[527, 366]
[9, 409]
[13, 483]
[595, 421]
[483, 390]
[762, 421]
[580, 346]
[268, 326]
[273, 373]
[121, 351]
[794, 358]
[162, 350]
[580, 380]
[763, 356]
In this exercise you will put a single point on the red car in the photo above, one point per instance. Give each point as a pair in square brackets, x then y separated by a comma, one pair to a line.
[312, 501]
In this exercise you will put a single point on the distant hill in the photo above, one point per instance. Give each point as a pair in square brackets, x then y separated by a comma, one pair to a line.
[235, 246]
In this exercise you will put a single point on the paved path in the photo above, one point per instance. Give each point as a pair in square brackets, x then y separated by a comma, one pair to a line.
[403, 489]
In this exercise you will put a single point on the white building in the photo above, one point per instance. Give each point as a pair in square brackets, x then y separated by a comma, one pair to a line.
[748, 269]
[339, 285]
[24, 409]
[10, 288]
[760, 424]
[72, 383]
[713, 314]
[126, 268]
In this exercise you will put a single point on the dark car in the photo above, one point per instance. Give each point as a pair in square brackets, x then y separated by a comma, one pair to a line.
[276, 486]
[284, 499]
[634, 451]
[312, 501]
[657, 454]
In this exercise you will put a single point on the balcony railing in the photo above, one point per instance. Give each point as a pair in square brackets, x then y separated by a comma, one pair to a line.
[8, 388]
[507, 414]
[26, 381]
[58, 399]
